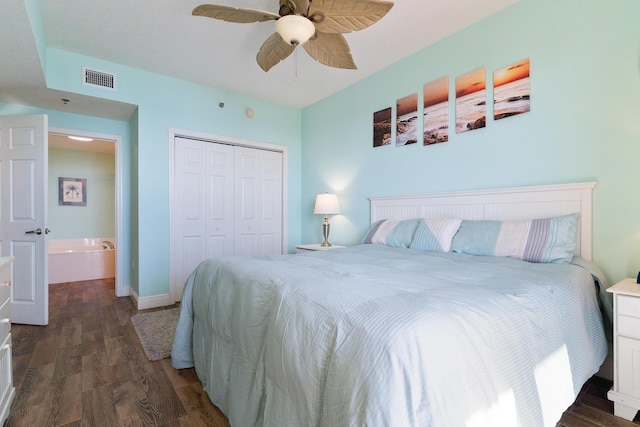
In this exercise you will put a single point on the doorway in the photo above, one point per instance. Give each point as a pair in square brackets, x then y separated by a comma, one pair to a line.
[101, 146]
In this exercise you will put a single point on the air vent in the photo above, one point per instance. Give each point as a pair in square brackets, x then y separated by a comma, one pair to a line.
[99, 79]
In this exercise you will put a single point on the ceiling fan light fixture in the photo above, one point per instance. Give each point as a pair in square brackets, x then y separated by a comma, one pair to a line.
[295, 29]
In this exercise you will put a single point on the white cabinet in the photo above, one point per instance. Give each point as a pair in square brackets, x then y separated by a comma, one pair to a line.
[7, 391]
[626, 348]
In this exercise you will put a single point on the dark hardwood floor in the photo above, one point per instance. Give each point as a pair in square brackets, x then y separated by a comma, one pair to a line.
[593, 409]
[87, 368]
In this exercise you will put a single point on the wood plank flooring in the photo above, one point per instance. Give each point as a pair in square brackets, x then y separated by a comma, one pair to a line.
[87, 368]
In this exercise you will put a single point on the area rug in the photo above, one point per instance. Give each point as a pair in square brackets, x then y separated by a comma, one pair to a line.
[155, 331]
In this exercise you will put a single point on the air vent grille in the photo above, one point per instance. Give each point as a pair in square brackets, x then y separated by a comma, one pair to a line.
[100, 79]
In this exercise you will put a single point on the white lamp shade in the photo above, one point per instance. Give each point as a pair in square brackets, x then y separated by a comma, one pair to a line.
[295, 29]
[326, 204]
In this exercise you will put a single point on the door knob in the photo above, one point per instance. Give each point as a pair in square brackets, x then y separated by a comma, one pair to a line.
[47, 231]
[37, 231]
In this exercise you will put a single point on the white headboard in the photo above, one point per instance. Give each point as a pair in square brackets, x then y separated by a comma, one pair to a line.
[518, 203]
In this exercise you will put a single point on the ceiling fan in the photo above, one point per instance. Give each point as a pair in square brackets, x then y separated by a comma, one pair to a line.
[317, 25]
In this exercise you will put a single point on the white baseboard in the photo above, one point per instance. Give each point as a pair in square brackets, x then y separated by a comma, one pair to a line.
[123, 291]
[134, 296]
[152, 301]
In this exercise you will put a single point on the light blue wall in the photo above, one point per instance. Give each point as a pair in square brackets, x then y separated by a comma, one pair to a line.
[97, 218]
[165, 103]
[584, 123]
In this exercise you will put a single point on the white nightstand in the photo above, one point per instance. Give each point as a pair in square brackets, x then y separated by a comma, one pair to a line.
[316, 247]
[626, 347]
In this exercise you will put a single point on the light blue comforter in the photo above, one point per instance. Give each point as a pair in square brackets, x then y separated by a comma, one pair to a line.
[379, 336]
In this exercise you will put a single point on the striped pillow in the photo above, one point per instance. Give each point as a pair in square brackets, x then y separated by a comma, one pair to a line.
[538, 240]
[435, 234]
[390, 232]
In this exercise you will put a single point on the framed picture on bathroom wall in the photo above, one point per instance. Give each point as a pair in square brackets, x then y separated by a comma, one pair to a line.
[72, 191]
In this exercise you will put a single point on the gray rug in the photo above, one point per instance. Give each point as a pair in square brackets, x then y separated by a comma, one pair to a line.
[155, 331]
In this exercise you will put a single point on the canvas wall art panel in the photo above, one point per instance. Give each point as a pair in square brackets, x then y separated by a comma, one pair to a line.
[471, 101]
[407, 120]
[511, 90]
[436, 111]
[382, 127]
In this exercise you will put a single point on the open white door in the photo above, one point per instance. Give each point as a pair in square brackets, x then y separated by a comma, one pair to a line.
[23, 214]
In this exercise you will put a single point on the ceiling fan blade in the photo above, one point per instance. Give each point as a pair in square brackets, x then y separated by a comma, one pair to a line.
[272, 51]
[234, 14]
[340, 16]
[289, 7]
[330, 49]
[301, 6]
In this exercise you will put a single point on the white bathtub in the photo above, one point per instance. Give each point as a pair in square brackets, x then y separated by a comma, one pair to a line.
[75, 260]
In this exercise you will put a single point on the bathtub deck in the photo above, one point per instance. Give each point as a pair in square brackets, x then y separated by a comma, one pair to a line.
[76, 260]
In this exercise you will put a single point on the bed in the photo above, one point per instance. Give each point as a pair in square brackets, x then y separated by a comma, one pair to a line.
[424, 326]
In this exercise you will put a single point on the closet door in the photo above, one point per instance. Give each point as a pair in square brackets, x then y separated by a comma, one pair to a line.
[227, 200]
[271, 204]
[258, 202]
[219, 199]
[202, 205]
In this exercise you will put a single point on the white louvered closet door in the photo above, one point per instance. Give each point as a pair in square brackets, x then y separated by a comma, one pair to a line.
[202, 205]
[227, 201]
[219, 199]
[258, 202]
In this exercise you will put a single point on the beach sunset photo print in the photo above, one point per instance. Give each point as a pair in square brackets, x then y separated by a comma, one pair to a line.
[407, 120]
[471, 103]
[436, 111]
[382, 127]
[511, 90]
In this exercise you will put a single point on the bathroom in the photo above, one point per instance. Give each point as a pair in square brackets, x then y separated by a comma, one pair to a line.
[81, 209]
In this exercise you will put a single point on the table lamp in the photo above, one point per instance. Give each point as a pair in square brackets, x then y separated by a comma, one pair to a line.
[326, 204]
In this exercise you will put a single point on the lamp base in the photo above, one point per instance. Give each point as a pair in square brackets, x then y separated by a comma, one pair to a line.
[325, 232]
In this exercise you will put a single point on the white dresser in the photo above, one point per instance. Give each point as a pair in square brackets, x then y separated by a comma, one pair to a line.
[626, 348]
[7, 391]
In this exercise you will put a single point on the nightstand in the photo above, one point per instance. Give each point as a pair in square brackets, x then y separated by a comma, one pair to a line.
[626, 348]
[315, 247]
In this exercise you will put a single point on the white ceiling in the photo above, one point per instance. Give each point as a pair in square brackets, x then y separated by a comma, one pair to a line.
[163, 37]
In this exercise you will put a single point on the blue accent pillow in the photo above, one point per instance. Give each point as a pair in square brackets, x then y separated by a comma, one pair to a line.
[390, 232]
[435, 234]
[549, 240]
